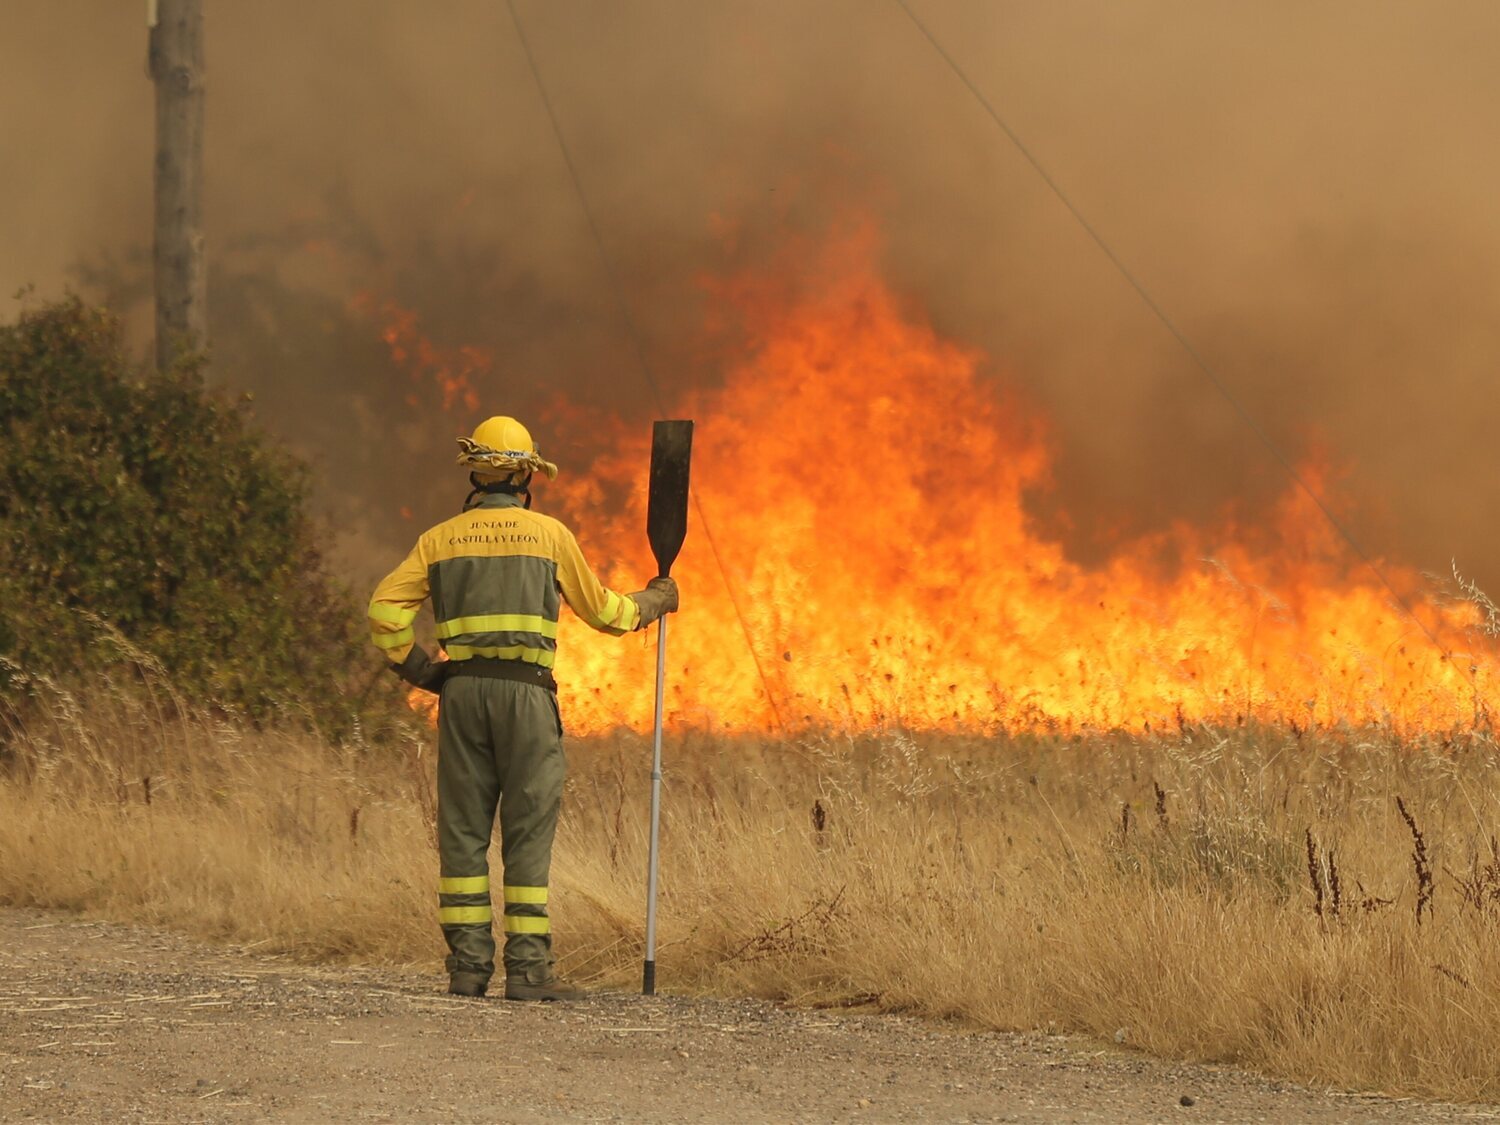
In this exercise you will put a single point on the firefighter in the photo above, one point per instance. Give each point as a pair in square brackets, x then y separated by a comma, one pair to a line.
[497, 573]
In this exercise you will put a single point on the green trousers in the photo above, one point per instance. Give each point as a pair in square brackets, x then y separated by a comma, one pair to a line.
[499, 745]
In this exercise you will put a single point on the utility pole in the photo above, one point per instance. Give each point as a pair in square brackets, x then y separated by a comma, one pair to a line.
[175, 63]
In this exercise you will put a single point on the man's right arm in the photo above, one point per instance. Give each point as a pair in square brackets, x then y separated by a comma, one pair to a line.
[601, 607]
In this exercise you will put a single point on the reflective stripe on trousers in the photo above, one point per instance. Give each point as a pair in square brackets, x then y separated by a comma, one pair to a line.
[464, 900]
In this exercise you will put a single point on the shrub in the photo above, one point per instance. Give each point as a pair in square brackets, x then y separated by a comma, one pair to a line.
[136, 501]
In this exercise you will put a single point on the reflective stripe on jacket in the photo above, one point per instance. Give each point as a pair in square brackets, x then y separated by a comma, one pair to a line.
[497, 575]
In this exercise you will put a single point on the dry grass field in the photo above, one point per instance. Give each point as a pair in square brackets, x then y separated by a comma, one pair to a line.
[1322, 906]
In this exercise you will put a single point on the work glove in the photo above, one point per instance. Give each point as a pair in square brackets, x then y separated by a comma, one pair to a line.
[656, 600]
[421, 671]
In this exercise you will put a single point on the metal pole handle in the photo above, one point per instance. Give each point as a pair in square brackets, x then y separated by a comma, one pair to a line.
[648, 976]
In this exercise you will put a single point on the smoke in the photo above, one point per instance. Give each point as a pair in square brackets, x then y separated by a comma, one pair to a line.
[1306, 190]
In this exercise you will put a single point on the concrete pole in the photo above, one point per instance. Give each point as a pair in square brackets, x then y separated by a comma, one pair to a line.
[175, 62]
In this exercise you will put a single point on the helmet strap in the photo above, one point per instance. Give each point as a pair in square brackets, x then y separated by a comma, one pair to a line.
[515, 487]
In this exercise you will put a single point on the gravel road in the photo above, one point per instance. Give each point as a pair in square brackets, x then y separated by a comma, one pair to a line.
[107, 1022]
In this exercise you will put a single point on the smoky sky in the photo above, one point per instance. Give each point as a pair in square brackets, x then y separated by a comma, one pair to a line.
[1307, 190]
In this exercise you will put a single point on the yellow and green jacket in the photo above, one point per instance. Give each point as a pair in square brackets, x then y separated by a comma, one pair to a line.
[497, 575]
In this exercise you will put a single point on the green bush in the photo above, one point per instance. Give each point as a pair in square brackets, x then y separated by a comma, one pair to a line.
[139, 500]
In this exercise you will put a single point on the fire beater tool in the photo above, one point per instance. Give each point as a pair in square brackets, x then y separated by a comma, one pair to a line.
[666, 527]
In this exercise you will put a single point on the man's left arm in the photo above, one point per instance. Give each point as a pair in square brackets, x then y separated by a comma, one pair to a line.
[393, 609]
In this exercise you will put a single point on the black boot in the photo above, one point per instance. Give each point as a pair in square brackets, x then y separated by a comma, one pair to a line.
[468, 984]
[540, 983]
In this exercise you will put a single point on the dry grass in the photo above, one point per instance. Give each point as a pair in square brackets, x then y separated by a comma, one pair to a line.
[1323, 907]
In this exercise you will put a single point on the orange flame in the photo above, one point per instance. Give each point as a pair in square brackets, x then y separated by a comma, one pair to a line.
[864, 487]
[452, 370]
[872, 563]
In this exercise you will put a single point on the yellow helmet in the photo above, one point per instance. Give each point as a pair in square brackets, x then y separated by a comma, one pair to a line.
[500, 447]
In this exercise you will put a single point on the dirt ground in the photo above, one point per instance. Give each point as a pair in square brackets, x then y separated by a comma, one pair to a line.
[107, 1022]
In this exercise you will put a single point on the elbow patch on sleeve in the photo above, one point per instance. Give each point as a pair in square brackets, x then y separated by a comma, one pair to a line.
[391, 614]
[630, 613]
[619, 614]
[391, 626]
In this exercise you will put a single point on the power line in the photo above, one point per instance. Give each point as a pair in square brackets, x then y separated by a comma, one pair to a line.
[637, 340]
[1177, 334]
